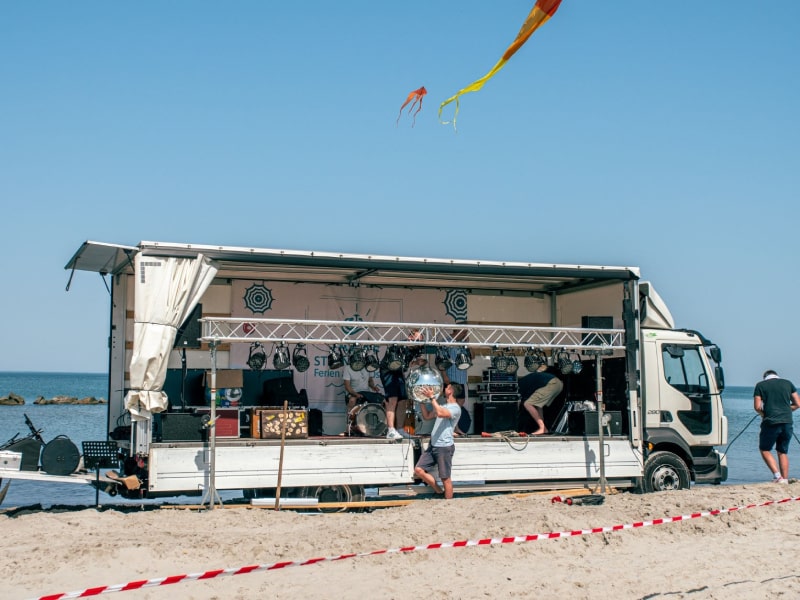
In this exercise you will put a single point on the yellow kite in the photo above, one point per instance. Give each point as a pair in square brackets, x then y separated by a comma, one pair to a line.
[540, 13]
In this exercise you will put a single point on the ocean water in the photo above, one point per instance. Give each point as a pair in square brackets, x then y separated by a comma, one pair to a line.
[88, 422]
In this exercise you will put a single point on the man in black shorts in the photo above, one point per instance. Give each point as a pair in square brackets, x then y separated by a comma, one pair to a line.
[775, 399]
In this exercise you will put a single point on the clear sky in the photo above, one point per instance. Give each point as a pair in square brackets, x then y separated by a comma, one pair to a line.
[652, 134]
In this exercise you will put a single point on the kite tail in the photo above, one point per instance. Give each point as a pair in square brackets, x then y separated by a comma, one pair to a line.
[472, 87]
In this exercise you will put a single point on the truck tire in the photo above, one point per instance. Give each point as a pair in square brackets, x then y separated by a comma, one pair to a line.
[334, 493]
[665, 471]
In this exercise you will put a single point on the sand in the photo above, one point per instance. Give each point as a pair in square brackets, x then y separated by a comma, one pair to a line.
[742, 554]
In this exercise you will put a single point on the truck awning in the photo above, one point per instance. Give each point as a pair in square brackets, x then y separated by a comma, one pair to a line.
[101, 258]
[513, 278]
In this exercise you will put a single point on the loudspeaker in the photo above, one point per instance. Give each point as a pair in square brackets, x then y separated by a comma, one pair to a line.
[189, 331]
[585, 422]
[495, 416]
[193, 388]
[315, 422]
[275, 391]
[590, 322]
[182, 427]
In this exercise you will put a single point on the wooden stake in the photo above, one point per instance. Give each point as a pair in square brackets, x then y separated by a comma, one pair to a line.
[280, 460]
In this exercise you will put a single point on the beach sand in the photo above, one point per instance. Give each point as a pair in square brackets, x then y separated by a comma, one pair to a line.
[742, 554]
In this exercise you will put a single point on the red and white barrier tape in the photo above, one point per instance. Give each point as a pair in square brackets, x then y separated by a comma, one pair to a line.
[144, 583]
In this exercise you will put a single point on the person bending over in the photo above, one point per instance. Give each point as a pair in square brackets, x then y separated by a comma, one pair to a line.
[539, 389]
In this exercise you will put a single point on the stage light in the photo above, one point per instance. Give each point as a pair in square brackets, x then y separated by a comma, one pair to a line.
[300, 358]
[499, 361]
[564, 363]
[463, 359]
[281, 360]
[577, 365]
[534, 358]
[512, 364]
[372, 363]
[357, 358]
[257, 357]
[443, 361]
[335, 358]
[395, 359]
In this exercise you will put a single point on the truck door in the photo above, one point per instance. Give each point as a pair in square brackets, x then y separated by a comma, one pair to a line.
[690, 402]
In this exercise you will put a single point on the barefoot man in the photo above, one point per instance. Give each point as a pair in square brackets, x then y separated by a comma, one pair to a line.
[539, 389]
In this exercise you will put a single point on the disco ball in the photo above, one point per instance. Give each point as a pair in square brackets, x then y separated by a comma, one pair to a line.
[421, 380]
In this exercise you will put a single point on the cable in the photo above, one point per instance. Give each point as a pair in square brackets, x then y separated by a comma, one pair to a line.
[724, 454]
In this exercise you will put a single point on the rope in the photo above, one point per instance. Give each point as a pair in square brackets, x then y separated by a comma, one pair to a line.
[506, 437]
[724, 454]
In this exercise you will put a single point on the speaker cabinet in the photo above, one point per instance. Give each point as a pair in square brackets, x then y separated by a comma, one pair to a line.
[189, 332]
[585, 422]
[182, 427]
[592, 322]
[491, 417]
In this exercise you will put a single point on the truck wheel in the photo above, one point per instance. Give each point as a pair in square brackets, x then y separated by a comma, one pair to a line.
[665, 471]
[334, 493]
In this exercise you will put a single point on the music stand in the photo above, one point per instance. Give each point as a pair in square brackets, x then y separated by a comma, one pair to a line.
[99, 455]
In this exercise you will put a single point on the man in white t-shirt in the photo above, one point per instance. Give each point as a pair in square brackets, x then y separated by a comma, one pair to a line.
[360, 387]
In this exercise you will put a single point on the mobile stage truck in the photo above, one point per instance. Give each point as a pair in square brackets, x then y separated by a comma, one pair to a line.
[192, 404]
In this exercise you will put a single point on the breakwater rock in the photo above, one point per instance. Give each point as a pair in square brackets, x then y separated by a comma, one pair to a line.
[12, 400]
[16, 400]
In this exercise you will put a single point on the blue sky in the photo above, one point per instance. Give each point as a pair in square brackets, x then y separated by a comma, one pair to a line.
[634, 133]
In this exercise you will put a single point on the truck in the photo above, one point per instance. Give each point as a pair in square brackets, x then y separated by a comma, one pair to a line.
[194, 330]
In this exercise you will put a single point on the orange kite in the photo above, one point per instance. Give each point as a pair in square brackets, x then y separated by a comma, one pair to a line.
[415, 98]
[540, 13]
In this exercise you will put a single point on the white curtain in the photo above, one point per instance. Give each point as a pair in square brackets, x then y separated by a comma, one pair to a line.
[166, 292]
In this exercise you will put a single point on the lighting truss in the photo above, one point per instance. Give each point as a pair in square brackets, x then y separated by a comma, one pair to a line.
[231, 330]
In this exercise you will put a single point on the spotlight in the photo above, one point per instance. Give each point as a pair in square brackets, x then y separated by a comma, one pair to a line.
[463, 359]
[535, 358]
[372, 363]
[443, 361]
[357, 358]
[395, 359]
[280, 359]
[300, 358]
[499, 361]
[512, 364]
[257, 357]
[335, 358]
[577, 365]
[564, 363]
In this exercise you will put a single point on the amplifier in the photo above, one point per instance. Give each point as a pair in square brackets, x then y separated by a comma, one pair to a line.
[497, 416]
[585, 422]
[495, 375]
[495, 388]
[500, 397]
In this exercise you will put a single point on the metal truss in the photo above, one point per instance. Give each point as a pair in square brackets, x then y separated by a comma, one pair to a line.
[229, 330]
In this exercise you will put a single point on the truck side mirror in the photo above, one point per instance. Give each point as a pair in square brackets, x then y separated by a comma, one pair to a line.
[719, 375]
[716, 353]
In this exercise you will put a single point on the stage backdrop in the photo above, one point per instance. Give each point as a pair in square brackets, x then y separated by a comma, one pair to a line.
[276, 300]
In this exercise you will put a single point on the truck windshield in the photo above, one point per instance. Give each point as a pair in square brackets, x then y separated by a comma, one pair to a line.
[684, 370]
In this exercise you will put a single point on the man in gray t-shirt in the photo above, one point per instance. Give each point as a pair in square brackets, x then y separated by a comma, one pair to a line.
[441, 448]
[775, 399]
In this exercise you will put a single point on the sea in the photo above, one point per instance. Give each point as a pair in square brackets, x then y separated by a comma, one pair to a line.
[88, 422]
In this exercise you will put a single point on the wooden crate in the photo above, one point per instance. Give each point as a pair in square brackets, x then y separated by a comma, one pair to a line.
[271, 422]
